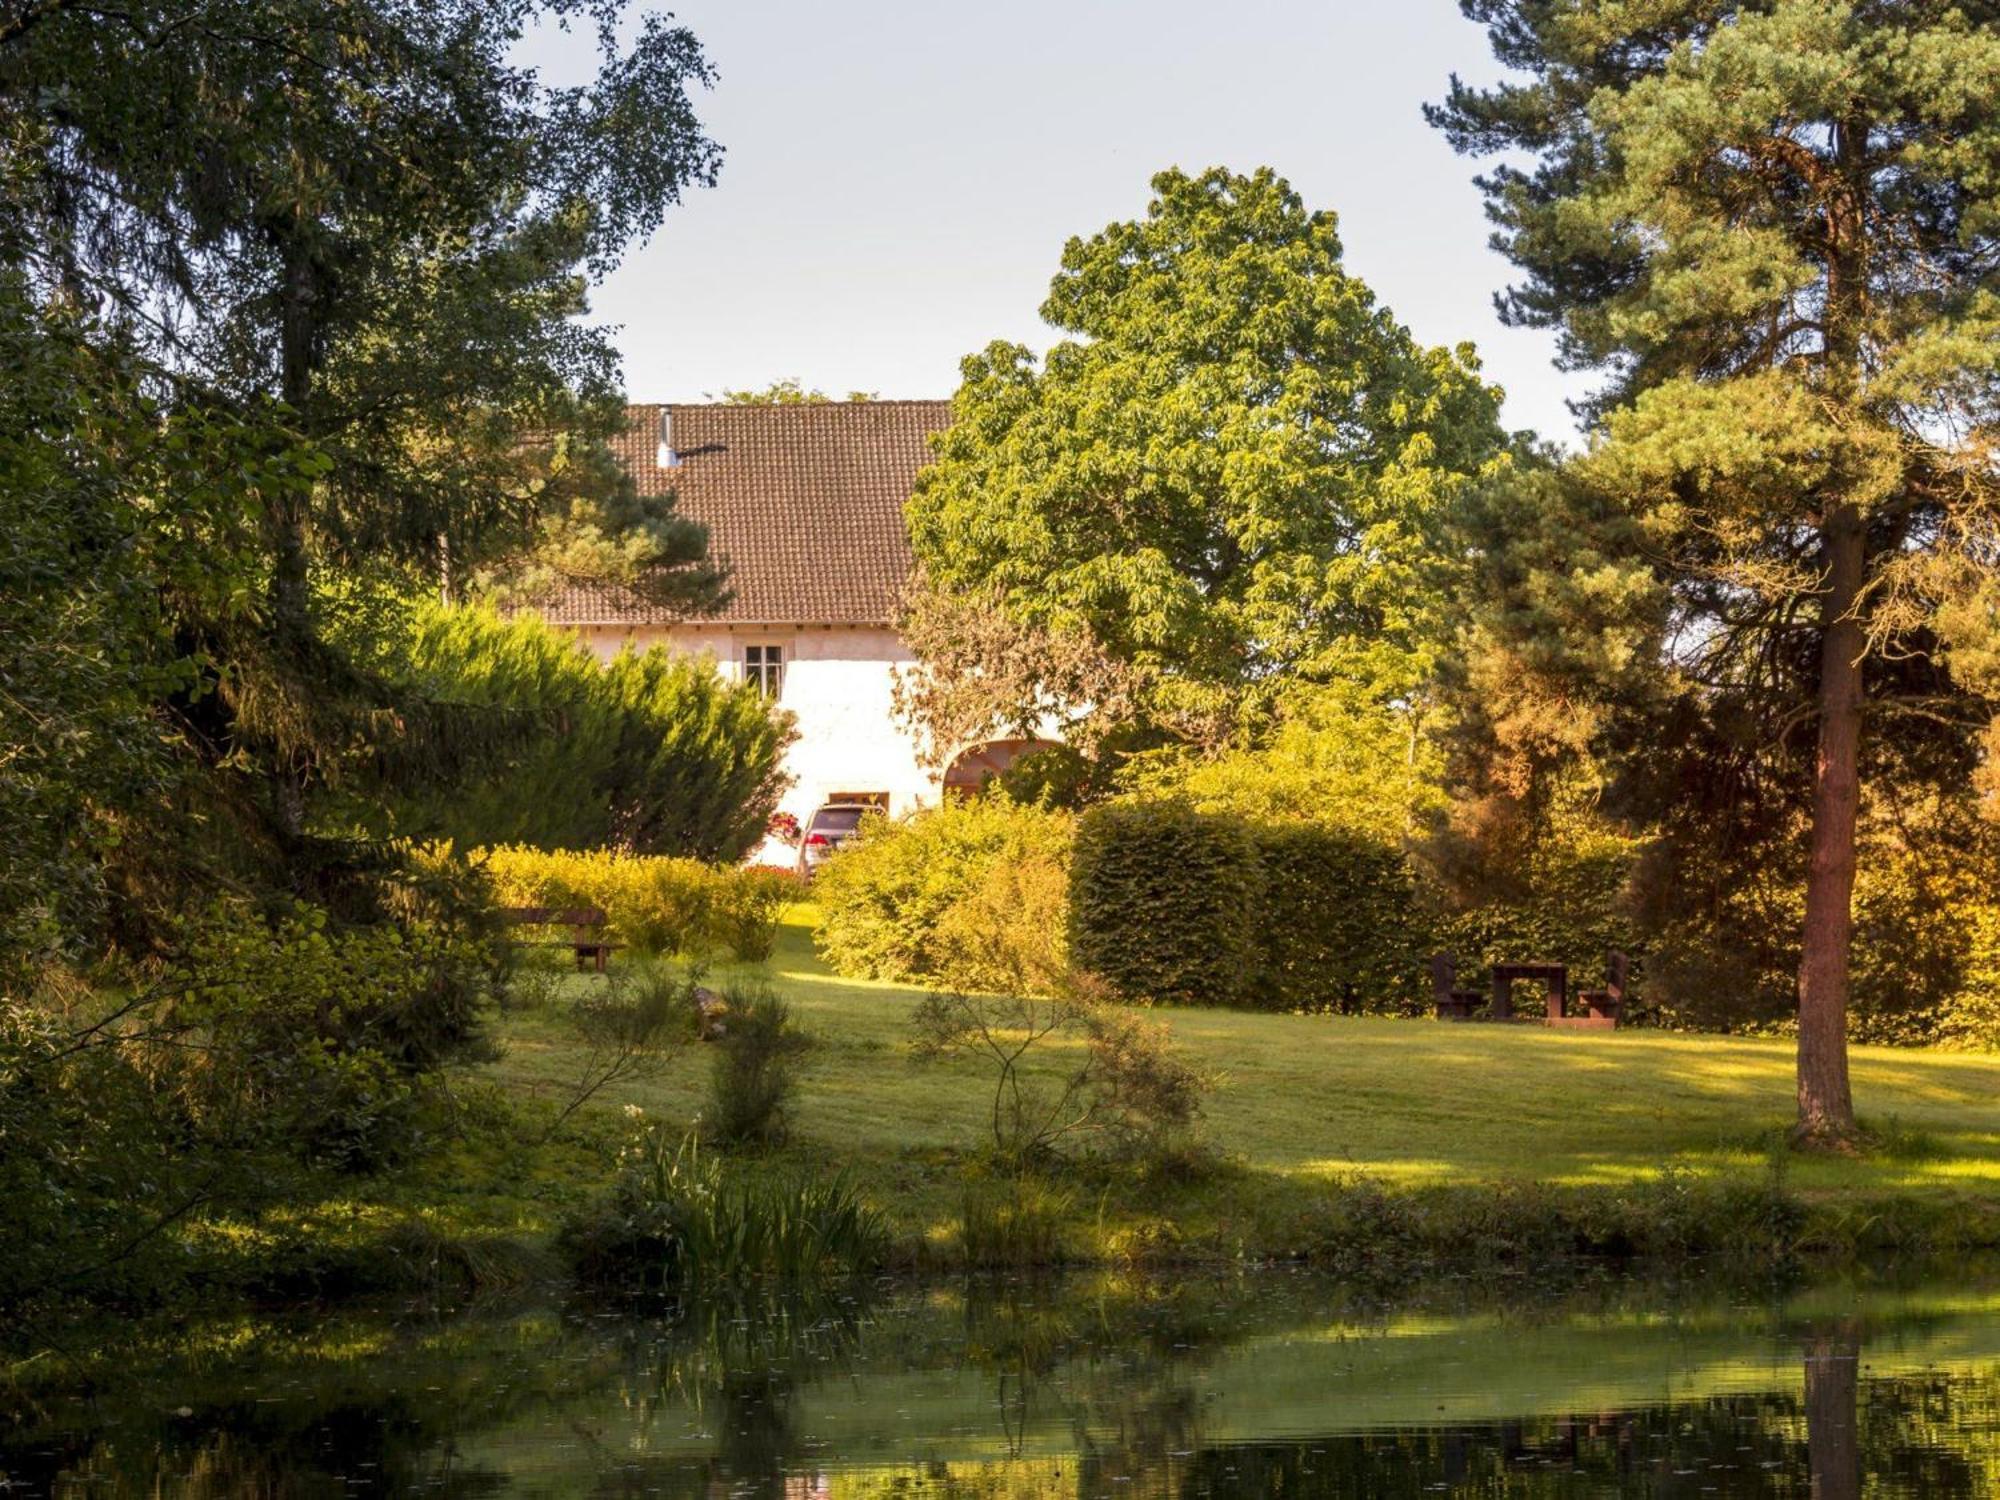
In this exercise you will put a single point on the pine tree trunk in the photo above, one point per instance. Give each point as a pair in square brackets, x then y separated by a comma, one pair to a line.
[291, 581]
[1826, 1105]
[1833, 1414]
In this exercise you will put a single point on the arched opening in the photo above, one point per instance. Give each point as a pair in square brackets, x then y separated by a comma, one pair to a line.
[975, 765]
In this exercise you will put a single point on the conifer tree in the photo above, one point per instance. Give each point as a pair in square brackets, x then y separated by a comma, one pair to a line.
[363, 231]
[1776, 225]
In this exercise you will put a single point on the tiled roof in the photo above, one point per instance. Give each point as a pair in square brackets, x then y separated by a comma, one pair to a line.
[804, 503]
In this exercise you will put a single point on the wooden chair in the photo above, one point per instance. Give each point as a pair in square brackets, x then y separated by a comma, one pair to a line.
[1452, 1004]
[1607, 1006]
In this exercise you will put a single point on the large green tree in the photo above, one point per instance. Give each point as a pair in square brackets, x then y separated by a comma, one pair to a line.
[1218, 486]
[365, 231]
[1777, 227]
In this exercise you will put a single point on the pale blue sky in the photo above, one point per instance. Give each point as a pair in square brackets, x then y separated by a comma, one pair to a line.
[901, 177]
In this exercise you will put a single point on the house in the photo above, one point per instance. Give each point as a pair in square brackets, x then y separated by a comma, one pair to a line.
[805, 505]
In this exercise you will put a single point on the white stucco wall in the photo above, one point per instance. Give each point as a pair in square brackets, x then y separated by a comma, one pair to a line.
[837, 686]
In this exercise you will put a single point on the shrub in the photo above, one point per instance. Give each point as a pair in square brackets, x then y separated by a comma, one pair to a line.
[1164, 903]
[316, 1031]
[968, 894]
[1110, 1079]
[629, 1026]
[652, 903]
[651, 751]
[752, 1081]
[260, 1050]
[750, 903]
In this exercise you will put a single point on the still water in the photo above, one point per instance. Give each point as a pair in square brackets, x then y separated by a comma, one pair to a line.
[1265, 1384]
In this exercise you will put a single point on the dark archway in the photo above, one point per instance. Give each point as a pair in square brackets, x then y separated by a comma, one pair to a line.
[975, 765]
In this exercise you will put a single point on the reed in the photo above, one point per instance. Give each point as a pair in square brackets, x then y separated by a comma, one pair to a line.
[679, 1218]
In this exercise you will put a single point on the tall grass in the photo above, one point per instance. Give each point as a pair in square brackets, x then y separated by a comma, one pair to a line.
[679, 1219]
[1013, 1223]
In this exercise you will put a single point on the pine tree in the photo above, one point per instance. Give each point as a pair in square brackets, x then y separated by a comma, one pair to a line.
[1776, 226]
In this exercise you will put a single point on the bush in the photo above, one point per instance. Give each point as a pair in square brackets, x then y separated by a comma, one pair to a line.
[750, 903]
[651, 751]
[969, 894]
[1110, 1080]
[752, 1081]
[651, 903]
[630, 1026]
[317, 1032]
[1164, 903]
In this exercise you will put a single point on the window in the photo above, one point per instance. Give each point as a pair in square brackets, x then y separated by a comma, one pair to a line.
[765, 666]
[877, 800]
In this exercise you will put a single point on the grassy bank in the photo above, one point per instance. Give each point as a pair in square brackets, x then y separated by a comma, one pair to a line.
[1398, 1144]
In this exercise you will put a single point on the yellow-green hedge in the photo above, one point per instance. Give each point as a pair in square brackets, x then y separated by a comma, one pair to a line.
[652, 903]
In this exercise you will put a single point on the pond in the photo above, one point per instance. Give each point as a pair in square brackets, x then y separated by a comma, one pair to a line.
[1261, 1384]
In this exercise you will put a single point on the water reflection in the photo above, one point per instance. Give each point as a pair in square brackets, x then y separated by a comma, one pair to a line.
[1267, 1384]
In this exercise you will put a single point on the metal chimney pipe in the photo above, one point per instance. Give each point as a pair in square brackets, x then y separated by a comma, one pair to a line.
[667, 458]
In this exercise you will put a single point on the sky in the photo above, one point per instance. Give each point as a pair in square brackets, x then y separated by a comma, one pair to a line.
[900, 177]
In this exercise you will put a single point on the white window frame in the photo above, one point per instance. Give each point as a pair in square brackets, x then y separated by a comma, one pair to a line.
[766, 664]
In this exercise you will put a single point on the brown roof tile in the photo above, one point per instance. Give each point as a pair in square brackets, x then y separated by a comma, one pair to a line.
[804, 503]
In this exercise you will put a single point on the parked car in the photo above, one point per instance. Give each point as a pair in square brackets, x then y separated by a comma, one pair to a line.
[830, 826]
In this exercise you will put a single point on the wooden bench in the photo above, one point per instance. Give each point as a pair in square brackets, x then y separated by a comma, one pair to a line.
[1554, 976]
[586, 936]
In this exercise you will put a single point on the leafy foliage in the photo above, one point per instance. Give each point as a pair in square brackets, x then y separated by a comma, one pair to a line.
[1341, 926]
[752, 1078]
[267, 1052]
[1116, 1080]
[651, 751]
[325, 327]
[1164, 902]
[1175, 905]
[631, 1025]
[1221, 482]
[1333, 758]
[969, 894]
[652, 904]
[787, 391]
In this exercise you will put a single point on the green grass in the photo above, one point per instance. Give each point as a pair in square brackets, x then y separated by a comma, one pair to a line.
[1305, 1106]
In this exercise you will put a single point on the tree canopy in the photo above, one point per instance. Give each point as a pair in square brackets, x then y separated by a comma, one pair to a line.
[1221, 483]
[1776, 227]
[307, 285]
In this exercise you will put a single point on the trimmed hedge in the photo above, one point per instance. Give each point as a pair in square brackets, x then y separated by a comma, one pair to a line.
[1164, 903]
[1173, 906]
[1340, 924]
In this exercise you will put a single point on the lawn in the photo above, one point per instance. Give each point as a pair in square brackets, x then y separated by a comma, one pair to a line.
[1305, 1104]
